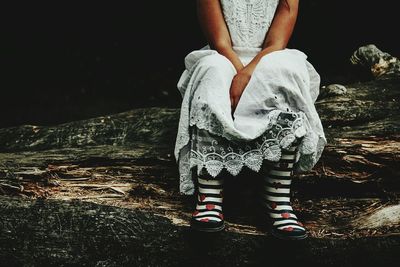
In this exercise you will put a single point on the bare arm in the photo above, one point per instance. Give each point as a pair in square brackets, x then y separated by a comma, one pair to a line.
[277, 38]
[279, 32]
[216, 32]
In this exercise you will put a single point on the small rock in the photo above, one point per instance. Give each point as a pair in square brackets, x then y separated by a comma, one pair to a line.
[332, 90]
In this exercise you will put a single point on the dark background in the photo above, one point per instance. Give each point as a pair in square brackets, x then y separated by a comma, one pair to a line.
[65, 62]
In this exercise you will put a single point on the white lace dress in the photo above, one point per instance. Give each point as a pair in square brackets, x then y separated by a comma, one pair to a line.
[276, 107]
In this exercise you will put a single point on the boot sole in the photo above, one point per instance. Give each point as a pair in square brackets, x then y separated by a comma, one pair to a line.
[285, 237]
[207, 229]
[269, 226]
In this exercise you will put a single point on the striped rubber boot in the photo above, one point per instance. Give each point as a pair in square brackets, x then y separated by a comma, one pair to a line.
[208, 216]
[283, 223]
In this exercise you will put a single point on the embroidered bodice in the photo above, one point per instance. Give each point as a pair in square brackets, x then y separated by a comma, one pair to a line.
[248, 20]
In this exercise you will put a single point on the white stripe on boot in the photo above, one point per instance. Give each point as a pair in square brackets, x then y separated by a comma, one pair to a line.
[276, 193]
[209, 200]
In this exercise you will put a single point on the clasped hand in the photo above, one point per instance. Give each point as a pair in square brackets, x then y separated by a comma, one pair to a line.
[239, 83]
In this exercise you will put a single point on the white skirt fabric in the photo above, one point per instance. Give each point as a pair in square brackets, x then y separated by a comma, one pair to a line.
[276, 107]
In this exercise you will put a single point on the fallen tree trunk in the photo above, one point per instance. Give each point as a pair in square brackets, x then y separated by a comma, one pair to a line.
[122, 170]
[81, 233]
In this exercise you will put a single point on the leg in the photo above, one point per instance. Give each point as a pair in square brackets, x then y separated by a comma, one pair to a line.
[210, 92]
[208, 215]
[276, 197]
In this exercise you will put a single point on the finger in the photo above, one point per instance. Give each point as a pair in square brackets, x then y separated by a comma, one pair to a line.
[235, 102]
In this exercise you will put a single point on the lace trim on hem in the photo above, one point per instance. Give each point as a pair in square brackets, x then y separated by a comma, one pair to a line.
[270, 149]
[308, 153]
[304, 162]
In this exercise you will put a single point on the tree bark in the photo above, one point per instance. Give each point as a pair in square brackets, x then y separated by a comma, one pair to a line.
[53, 233]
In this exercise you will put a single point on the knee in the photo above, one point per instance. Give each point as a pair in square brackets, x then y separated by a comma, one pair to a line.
[216, 62]
[278, 63]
